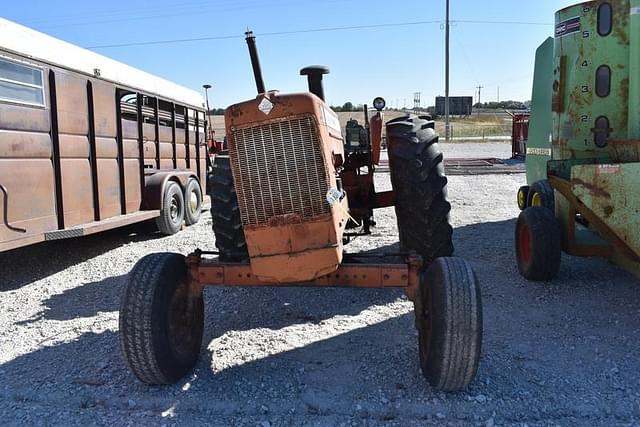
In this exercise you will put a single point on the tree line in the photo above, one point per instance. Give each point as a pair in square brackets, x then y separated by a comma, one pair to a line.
[504, 105]
[351, 107]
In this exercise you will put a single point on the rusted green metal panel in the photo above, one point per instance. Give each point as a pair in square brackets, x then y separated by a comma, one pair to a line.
[540, 123]
[591, 78]
[607, 191]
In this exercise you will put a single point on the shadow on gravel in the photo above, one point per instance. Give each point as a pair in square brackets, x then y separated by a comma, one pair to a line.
[82, 301]
[240, 309]
[22, 266]
[551, 351]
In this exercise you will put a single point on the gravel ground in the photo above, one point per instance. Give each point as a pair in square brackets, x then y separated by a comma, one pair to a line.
[563, 353]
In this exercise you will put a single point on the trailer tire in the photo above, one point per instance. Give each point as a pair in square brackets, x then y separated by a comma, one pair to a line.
[448, 309]
[225, 212]
[523, 197]
[420, 187]
[538, 244]
[172, 211]
[161, 321]
[192, 201]
[541, 194]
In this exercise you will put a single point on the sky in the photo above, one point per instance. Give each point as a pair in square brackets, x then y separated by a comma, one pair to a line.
[377, 59]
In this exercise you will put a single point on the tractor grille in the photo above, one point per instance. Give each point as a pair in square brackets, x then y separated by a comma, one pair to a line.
[279, 169]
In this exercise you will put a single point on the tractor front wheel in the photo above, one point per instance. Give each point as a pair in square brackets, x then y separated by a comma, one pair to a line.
[161, 320]
[538, 244]
[448, 310]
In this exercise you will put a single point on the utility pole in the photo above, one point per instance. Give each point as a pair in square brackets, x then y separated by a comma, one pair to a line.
[447, 124]
[479, 93]
[479, 97]
[416, 102]
[206, 94]
[498, 94]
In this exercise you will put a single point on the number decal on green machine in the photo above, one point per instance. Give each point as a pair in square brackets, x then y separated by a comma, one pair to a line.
[585, 89]
[584, 118]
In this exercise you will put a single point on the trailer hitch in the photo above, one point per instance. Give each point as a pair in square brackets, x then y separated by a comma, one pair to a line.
[5, 210]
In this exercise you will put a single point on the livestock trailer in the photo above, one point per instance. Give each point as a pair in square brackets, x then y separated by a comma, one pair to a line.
[89, 144]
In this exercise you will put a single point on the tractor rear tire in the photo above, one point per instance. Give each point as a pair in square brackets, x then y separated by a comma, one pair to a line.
[227, 223]
[172, 212]
[448, 309]
[420, 187]
[538, 244]
[161, 320]
[541, 194]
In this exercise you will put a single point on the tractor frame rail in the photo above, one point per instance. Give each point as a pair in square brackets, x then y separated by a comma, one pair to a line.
[204, 271]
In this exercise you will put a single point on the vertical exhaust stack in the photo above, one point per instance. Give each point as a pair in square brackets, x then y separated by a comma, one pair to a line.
[255, 61]
[314, 75]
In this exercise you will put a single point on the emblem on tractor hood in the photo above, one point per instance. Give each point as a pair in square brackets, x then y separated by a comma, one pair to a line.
[265, 106]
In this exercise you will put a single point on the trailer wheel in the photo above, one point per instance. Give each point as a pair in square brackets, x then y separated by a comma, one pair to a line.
[420, 187]
[523, 196]
[538, 244]
[541, 194]
[227, 223]
[172, 212]
[161, 320]
[193, 201]
[448, 309]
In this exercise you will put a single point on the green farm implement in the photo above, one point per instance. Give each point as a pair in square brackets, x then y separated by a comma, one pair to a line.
[583, 153]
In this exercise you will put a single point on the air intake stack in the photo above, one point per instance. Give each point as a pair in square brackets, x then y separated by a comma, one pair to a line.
[255, 61]
[314, 75]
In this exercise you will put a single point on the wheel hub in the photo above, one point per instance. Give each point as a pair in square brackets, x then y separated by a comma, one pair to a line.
[524, 243]
[181, 319]
[174, 209]
[193, 201]
[536, 200]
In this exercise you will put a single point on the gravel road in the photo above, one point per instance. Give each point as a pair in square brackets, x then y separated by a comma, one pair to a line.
[562, 353]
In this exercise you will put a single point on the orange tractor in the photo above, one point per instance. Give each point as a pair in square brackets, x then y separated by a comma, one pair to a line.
[286, 196]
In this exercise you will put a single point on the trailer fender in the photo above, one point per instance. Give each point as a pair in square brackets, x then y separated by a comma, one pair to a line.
[154, 186]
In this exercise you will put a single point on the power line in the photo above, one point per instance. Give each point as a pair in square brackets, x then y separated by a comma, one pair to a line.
[464, 21]
[276, 33]
[313, 30]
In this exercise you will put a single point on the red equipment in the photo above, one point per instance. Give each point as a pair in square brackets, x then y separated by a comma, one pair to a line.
[519, 135]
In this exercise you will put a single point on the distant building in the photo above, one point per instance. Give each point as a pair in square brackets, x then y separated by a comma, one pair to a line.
[458, 105]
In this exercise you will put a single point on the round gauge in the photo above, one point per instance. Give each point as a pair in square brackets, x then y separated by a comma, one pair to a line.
[379, 103]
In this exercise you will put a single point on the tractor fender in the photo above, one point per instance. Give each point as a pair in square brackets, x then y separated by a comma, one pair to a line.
[375, 129]
[155, 183]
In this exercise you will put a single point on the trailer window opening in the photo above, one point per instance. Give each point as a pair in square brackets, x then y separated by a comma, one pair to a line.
[148, 110]
[164, 113]
[21, 84]
[180, 117]
[129, 107]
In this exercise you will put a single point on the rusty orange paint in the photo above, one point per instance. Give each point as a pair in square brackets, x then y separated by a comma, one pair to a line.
[210, 272]
[305, 242]
[375, 128]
